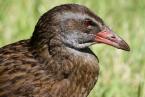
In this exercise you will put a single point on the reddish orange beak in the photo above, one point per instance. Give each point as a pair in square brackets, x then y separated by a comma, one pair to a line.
[108, 37]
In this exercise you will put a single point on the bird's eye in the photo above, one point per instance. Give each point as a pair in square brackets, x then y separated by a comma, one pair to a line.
[89, 22]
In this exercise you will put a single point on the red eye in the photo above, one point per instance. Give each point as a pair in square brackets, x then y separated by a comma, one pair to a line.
[88, 22]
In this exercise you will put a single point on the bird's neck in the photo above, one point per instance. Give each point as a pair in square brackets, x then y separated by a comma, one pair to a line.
[80, 69]
[75, 69]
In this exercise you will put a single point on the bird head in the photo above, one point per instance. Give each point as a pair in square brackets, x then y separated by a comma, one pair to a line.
[78, 27]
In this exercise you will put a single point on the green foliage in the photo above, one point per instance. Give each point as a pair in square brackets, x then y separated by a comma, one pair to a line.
[122, 74]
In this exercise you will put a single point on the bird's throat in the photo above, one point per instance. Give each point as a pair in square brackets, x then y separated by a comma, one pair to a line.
[74, 69]
[80, 71]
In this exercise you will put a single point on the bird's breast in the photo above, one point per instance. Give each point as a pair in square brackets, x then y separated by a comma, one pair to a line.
[79, 77]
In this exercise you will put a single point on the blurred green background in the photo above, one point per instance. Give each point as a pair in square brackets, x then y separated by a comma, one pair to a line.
[122, 74]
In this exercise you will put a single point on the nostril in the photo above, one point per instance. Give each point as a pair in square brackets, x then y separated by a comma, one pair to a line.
[113, 37]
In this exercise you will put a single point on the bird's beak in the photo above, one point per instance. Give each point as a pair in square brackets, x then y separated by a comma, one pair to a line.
[108, 37]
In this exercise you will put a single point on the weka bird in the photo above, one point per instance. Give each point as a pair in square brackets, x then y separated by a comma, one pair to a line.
[56, 61]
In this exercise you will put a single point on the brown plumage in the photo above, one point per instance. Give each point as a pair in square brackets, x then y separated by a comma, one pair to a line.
[56, 61]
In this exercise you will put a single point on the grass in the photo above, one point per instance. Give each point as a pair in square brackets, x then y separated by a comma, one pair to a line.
[122, 74]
